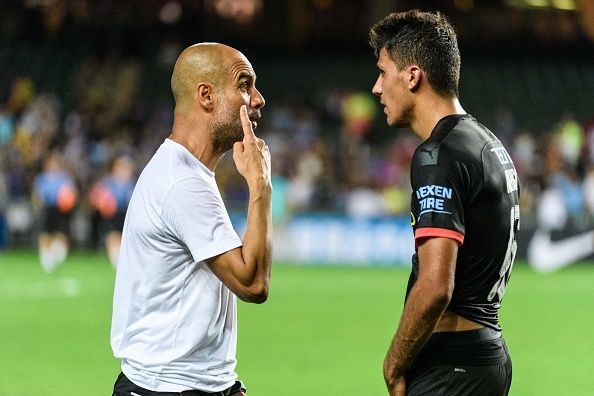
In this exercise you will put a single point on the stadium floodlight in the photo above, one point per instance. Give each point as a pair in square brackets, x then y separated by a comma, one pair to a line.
[568, 5]
[564, 4]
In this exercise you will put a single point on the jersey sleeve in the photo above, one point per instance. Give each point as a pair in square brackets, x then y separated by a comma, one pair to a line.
[197, 216]
[436, 204]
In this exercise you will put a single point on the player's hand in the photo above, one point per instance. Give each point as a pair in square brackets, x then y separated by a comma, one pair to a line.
[251, 155]
[397, 386]
[395, 380]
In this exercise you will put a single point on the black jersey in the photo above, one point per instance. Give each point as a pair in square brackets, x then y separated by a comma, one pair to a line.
[465, 187]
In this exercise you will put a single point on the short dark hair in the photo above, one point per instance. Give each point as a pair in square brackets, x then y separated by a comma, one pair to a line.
[423, 38]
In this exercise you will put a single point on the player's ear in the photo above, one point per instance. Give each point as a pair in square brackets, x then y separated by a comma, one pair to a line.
[415, 75]
[205, 96]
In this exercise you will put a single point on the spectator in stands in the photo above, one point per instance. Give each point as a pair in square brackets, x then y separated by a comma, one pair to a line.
[570, 139]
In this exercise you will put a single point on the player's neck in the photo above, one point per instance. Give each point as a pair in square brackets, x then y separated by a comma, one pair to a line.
[430, 111]
[195, 140]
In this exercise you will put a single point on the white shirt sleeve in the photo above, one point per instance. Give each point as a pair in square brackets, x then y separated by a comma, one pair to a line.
[196, 214]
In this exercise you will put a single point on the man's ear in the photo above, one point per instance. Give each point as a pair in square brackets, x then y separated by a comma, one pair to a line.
[415, 76]
[205, 96]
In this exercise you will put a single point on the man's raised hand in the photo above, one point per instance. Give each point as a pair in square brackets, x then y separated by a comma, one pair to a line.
[251, 155]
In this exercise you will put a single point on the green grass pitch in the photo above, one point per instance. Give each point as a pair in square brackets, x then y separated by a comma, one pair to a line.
[323, 331]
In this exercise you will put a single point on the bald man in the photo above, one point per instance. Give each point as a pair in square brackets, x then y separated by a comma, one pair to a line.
[181, 264]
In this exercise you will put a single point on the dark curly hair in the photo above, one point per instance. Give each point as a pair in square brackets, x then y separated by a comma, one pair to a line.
[423, 38]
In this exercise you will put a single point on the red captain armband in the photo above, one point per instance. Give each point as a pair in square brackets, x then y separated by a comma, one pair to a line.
[439, 232]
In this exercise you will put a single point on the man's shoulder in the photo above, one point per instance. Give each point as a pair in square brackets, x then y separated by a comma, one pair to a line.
[470, 134]
[449, 140]
[427, 153]
[467, 141]
[168, 166]
[456, 146]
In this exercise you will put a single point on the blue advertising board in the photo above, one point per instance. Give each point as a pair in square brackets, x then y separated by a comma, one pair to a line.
[328, 239]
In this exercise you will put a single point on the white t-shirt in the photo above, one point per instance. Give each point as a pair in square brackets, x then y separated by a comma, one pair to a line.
[174, 322]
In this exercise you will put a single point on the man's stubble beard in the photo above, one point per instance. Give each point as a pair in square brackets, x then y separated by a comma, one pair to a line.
[224, 132]
[403, 119]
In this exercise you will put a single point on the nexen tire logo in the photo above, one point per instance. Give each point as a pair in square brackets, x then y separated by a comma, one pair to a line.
[432, 198]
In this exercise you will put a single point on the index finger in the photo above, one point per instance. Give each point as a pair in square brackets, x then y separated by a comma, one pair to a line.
[246, 124]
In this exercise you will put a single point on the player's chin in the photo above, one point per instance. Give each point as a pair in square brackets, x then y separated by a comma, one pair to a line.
[392, 122]
[397, 123]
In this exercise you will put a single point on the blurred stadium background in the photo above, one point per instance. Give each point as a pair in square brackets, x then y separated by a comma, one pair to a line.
[89, 80]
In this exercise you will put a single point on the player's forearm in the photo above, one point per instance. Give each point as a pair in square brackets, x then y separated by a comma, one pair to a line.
[421, 314]
[257, 242]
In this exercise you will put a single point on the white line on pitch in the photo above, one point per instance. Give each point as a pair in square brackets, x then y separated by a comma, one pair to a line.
[39, 290]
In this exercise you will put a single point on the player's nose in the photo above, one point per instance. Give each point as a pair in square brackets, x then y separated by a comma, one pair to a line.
[377, 88]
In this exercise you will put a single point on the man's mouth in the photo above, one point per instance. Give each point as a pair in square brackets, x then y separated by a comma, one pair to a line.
[254, 120]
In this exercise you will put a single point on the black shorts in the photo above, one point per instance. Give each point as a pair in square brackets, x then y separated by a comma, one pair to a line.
[124, 387]
[465, 363]
[114, 223]
[55, 221]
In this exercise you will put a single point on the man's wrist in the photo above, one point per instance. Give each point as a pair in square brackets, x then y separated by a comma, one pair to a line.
[260, 189]
[393, 370]
[393, 376]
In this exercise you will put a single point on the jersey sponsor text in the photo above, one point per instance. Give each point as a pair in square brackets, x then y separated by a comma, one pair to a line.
[432, 197]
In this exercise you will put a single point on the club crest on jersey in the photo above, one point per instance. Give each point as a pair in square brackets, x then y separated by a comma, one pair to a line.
[432, 198]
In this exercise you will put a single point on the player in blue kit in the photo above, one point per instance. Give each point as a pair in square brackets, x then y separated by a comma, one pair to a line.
[110, 196]
[55, 194]
[465, 216]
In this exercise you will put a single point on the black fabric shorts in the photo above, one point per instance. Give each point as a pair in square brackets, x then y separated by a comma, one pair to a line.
[465, 363]
[55, 221]
[114, 223]
[124, 387]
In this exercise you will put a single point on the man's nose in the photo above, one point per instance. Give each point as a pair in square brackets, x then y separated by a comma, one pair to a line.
[376, 90]
[257, 100]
